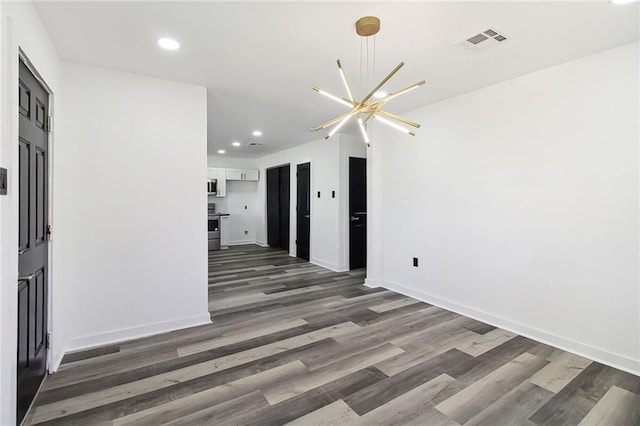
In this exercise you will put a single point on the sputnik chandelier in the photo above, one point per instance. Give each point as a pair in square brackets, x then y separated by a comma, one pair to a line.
[368, 108]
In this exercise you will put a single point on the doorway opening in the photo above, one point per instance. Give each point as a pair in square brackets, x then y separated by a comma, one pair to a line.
[278, 207]
[303, 210]
[357, 213]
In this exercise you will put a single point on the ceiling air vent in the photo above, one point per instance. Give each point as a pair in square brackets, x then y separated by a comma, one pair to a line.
[483, 40]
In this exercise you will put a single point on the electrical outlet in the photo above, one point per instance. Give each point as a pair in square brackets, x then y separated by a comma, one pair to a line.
[415, 262]
[318, 194]
[333, 194]
[245, 207]
[246, 232]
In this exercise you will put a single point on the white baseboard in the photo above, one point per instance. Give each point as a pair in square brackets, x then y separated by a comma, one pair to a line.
[241, 242]
[116, 336]
[262, 244]
[334, 268]
[597, 354]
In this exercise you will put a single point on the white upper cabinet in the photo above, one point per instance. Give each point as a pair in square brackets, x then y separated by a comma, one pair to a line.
[220, 176]
[251, 175]
[212, 173]
[234, 174]
[243, 174]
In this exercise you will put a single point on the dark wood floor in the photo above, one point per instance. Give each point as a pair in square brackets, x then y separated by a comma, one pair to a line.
[293, 342]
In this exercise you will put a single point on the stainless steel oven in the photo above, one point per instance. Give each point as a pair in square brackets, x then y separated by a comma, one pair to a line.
[213, 234]
[213, 227]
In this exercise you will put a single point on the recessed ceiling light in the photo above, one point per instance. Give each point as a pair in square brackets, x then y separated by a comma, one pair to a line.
[380, 94]
[168, 43]
[235, 143]
[257, 133]
[221, 151]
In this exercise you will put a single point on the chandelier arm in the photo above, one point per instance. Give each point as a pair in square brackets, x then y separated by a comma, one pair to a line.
[394, 125]
[337, 127]
[400, 92]
[364, 132]
[344, 80]
[335, 120]
[333, 97]
[397, 117]
[384, 80]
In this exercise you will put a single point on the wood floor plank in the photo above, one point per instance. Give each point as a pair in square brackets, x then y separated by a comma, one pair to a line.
[481, 394]
[514, 408]
[617, 407]
[482, 343]
[335, 414]
[89, 353]
[383, 307]
[410, 406]
[563, 368]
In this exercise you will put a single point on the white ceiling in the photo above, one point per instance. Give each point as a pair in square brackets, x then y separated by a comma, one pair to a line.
[260, 59]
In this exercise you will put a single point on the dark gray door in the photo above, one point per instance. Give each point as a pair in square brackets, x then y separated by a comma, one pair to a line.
[278, 199]
[303, 210]
[357, 213]
[273, 207]
[33, 106]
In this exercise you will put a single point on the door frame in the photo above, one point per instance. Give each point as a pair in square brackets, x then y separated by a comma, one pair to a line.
[22, 56]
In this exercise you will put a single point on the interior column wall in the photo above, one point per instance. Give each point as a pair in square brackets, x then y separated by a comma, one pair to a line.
[130, 238]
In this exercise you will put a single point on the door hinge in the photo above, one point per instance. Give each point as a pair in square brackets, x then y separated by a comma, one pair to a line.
[47, 340]
[49, 123]
[49, 231]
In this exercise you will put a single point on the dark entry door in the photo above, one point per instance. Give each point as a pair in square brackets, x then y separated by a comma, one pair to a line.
[33, 105]
[357, 213]
[278, 205]
[273, 207]
[303, 210]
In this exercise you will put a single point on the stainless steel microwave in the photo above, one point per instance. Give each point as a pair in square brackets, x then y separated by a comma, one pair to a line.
[212, 186]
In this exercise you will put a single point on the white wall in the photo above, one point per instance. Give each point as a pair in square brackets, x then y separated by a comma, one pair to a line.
[328, 217]
[239, 195]
[521, 201]
[130, 210]
[20, 27]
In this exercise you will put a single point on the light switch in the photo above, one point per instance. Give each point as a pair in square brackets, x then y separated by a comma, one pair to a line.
[3, 181]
